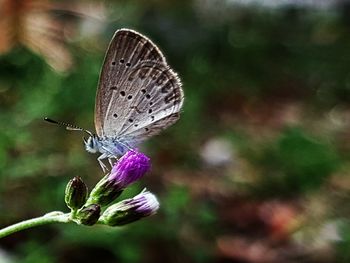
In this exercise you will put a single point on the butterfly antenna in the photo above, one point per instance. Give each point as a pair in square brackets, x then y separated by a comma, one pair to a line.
[68, 126]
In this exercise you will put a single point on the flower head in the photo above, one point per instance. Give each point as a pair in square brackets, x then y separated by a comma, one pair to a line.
[129, 168]
[130, 210]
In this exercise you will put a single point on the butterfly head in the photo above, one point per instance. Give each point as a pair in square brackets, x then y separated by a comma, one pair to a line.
[92, 144]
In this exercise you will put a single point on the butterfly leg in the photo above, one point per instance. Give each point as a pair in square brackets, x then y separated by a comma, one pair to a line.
[110, 155]
[110, 160]
[103, 166]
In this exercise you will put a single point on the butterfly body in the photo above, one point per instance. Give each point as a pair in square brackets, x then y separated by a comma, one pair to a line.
[109, 148]
[138, 95]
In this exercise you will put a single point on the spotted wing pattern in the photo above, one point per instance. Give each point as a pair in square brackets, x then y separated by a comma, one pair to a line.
[126, 49]
[138, 94]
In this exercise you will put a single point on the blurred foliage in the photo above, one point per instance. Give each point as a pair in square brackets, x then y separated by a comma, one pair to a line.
[296, 163]
[272, 84]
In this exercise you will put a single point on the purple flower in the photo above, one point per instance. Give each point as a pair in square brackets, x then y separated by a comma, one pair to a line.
[129, 168]
[130, 210]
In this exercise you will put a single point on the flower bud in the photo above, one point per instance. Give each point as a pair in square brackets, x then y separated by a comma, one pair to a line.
[89, 215]
[130, 210]
[129, 168]
[76, 193]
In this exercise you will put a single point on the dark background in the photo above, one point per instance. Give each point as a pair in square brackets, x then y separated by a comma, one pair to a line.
[256, 169]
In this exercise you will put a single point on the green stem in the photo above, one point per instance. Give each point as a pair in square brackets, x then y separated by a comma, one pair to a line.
[53, 217]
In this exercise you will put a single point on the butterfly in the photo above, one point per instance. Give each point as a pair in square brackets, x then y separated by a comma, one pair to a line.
[138, 95]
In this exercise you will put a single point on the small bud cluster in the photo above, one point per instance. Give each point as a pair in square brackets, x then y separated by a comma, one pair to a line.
[86, 209]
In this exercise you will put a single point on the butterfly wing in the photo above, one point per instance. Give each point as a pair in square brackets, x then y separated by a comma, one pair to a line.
[155, 105]
[126, 50]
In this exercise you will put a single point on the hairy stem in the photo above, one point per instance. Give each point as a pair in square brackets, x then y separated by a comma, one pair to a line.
[53, 217]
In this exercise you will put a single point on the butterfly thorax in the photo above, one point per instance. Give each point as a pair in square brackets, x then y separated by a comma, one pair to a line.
[111, 147]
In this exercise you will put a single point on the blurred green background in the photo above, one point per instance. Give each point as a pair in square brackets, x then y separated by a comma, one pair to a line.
[257, 168]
